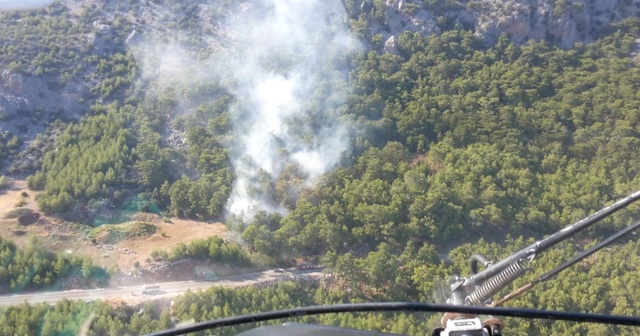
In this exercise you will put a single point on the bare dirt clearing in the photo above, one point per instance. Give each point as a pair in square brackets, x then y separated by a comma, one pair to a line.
[167, 236]
[10, 227]
[10, 197]
[59, 236]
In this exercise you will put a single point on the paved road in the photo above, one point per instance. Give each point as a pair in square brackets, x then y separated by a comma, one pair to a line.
[159, 290]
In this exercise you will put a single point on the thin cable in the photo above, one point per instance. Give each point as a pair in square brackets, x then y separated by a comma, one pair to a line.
[567, 264]
[546, 243]
[402, 306]
[592, 250]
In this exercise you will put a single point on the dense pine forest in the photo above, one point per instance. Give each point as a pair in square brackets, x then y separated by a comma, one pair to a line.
[34, 267]
[456, 148]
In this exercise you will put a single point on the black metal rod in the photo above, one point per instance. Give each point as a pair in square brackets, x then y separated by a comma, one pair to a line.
[477, 258]
[555, 238]
[590, 251]
[403, 306]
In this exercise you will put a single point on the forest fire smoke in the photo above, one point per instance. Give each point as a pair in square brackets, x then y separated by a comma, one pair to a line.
[287, 96]
[285, 64]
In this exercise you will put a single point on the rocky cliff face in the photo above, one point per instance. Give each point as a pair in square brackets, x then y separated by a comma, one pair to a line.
[564, 22]
[20, 95]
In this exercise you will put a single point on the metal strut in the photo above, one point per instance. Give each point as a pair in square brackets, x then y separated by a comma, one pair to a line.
[495, 284]
[546, 243]
[568, 263]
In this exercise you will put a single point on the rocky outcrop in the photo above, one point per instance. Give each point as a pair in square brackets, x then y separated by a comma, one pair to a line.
[11, 106]
[27, 103]
[12, 82]
[390, 46]
[406, 15]
[21, 94]
[563, 22]
[100, 37]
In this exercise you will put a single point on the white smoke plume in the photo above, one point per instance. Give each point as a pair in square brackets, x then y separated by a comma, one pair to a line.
[283, 64]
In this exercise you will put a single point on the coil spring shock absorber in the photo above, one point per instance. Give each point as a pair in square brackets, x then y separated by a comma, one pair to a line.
[495, 284]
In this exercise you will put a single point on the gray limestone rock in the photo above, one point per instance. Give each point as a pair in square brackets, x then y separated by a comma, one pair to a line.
[562, 22]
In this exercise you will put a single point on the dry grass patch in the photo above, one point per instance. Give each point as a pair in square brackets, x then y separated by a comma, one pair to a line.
[114, 233]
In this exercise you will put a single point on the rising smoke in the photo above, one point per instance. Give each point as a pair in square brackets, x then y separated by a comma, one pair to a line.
[285, 62]
[288, 93]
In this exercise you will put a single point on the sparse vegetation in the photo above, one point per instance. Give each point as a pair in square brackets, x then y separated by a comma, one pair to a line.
[18, 232]
[15, 213]
[4, 182]
[20, 203]
[9, 147]
[113, 233]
